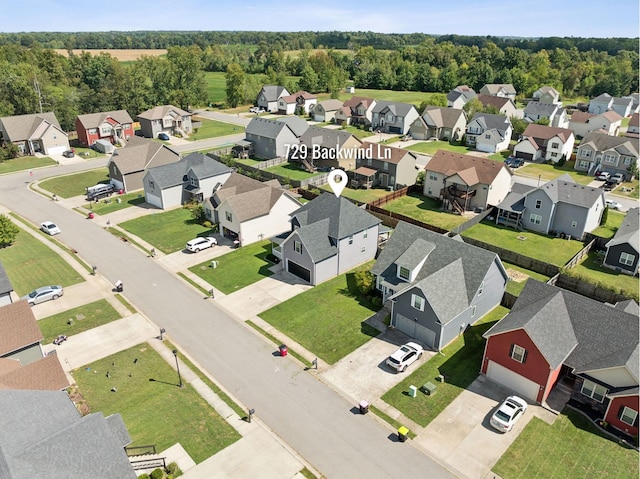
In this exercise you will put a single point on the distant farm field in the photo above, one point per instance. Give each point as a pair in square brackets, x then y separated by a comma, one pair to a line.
[120, 55]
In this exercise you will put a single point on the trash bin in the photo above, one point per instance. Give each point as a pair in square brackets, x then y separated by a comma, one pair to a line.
[120, 192]
[283, 349]
[91, 215]
[119, 286]
[403, 434]
[364, 407]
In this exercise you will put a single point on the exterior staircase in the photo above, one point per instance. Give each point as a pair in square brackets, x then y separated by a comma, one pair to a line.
[307, 166]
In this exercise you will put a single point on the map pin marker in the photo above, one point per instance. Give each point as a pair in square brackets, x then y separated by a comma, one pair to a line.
[337, 181]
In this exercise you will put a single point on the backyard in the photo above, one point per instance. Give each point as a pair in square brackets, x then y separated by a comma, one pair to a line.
[430, 147]
[155, 410]
[75, 185]
[614, 220]
[571, 447]
[549, 172]
[237, 269]
[592, 271]
[327, 319]
[518, 278]
[361, 195]
[212, 129]
[459, 363]
[424, 209]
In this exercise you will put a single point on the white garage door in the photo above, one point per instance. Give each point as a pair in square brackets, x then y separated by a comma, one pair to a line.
[56, 150]
[521, 385]
[153, 200]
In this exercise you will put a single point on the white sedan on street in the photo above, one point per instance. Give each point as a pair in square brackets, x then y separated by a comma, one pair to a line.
[201, 243]
[49, 228]
[614, 205]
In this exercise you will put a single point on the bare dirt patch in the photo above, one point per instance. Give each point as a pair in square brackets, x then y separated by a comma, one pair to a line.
[516, 276]
[120, 55]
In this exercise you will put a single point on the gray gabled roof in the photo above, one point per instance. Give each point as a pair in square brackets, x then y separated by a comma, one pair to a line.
[514, 201]
[565, 190]
[94, 120]
[266, 128]
[22, 127]
[629, 231]
[603, 142]
[317, 241]
[454, 94]
[442, 116]
[397, 108]
[172, 174]
[159, 112]
[273, 92]
[298, 125]
[489, 121]
[542, 109]
[328, 138]
[5, 283]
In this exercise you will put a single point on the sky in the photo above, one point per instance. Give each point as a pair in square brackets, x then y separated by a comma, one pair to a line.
[520, 18]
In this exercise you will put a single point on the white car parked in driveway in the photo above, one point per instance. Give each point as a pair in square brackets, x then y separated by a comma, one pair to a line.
[404, 356]
[508, 413]
[198, 244]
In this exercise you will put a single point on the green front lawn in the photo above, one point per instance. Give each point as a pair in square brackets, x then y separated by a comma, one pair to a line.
[77, 320]
[291, 171]
[111, 204]
[592, 271]
[549, 172]
[75, 185]
[426, 210]
[31, 264]
[327, 319]
[459, 363]
[430, 147]
[571, 447]
[538, 246]
[24, 163]
[154, 409]
[237, 269]
[515, 286]
[168, 231]
[213, 129]
[357, 132]
[614, 220]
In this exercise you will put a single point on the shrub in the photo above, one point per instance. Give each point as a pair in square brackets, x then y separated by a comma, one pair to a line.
[365, 281]
[207, 224]
[144, 476]
[157, 474]
[173, 470]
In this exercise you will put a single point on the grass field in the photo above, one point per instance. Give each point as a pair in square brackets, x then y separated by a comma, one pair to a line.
[430, 147]
[614, 220]
[76, 184]
[424, 209]
[24, 163]
[291, 171]
[571, 447]
[362, 195]
[327, 320]
[77, 320]
[549, 172]
[237, 269]
[154, 409]
[111, 204]
[213, 129]
[592, 271]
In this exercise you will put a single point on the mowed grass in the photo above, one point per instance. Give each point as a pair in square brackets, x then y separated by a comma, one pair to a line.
[424, 209]
[213, 129]
[168, 231]
[431, 147]
[571, 447]
[30, 264]
[76, 184]
[362, 195]
[237, 269]
[614, 220]
[327, 319]
[551, 250]
[515, 287]
[460, 364]
[25, 163]
[111, 203]
[549, 172]
[154, 409]
[77, 320]
[592, 271]
[290, 171]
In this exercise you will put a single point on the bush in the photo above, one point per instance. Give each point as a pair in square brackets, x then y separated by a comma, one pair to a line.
[144, 476]
[207, 224]
[365, 281]
[157, 474]
[173, 470]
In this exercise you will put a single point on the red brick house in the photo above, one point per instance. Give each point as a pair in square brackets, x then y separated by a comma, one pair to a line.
[114, 126]
[553, 338]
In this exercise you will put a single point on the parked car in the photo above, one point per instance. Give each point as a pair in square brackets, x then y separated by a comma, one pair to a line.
[508, 413]
[163, 136]
[514, 162]
[614, 205]
[50, 228]
[603, 176]
[404, 356]
[609, 185]
[201, 243]
[256, 109]
[45, 293]
[68, 154]
[617, 178]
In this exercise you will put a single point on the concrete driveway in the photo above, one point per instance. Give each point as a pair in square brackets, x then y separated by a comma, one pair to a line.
[461, 436]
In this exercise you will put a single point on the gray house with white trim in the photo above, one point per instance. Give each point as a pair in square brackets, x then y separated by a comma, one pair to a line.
[269, 96]
[272, 138]
[393, 117]
[623, 250]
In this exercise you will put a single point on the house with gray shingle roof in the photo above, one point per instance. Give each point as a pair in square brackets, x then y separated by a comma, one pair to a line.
[622, 106]
[623, 250]
[459, 96]
[193, 178]
[489, 133]
[6, 288]
[437, 285]
[249, 210]
[602, 152]
[329, 148]
[325, 111]
[555, 338]
[556, 115]
[269, 96]
[600, 104]
[547, 94]
[114, 126]
[271, 138]
[167, 119]
[43, 435]
[329, 236]
[37, 133]
[393, 117]
[439, 123]
[505, 90]
[545, 143]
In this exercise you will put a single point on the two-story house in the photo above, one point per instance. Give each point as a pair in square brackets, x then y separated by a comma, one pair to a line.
[489, 133]
[165, 119]
[633, 129]
[600, 104]
[459, 96]
[300, 102]
[556, 115]
[623, 250]
[439, 123]
[393, 117]
[327, 148]
[547, 94]
[325, 111]
[356, 111]
[269, 96]
[505, 90]
[545, 143]
[113, 126]
[36, 133]
[385, 166]
[583, 123]
[504, 105]
[273, 138]
[613, 154]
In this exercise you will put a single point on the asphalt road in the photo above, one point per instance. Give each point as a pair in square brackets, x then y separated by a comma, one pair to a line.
[313, 419]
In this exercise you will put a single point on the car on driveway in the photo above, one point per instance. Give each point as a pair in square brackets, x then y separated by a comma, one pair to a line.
[609, 185]
[256, 109]
[50, 228]
[163, 136]
[45, 293]
[68, 154]
[613, 204]
[508, 413]
[617, 178]
[514, 162]
[603, 176]
[203, 242]
[404, 356]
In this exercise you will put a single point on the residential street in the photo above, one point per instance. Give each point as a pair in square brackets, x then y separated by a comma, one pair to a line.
[310, 417]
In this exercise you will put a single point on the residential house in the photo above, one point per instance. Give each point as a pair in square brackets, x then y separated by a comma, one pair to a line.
[329, 236]
[116, 127]
[43, 435]
[439, 123]
[300, 102]
[272, 138]
[385, 166]
[393, 117]
[466, 182]
[545, 143]
[269, 96]
[504, 105]
[325, 111]
[358, 110]
[633, 129]
[582, 123]
[623, 250]
[328, 148]
[547, 94]
[128, 165]
[560, 206]
[489, 133]
[23, 364]
[250, 211]
[438, 286]
[600, 104]
[622, 106]
[459, 96]
[6, 288]
[635, 102]
[37, 133]
[600, 152]
[193, 178]
[166, 119]
[557, 116]
[553, 339]
[505, 90]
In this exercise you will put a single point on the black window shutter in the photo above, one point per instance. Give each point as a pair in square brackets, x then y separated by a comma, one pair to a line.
[511, 350]
[620, 411]
[524, 357]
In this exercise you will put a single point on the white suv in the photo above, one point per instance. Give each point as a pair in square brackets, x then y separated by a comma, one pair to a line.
[201, 243]
[404, 356]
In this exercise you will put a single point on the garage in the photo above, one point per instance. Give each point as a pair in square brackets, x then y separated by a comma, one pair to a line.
[56, 150]
[153, 200]
[299, 271]
[411, 328]
[524, 156]
[521, 385]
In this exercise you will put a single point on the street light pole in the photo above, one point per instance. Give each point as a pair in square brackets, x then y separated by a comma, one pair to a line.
[175, 354]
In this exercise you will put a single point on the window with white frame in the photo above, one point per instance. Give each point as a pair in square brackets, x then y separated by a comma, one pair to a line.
[350, 239]
[555, 145]
[554, 154]
[297, 247]
[365, 234]
[473, 312]
[433, 176]
[385, 165]
[390, 117]
[535, 219]
[518, 353]
[627, 160]
[610, 158]
[628, 415]
[583, 164]
[417, 302]
[229, 216]
[538, 204]
[404, 273]
[593, 390]
[585, 153]
[627, 259]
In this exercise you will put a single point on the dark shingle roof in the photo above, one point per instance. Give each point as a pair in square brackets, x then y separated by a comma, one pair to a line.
[265, 127]
[397, 108]
[628, 232]
[565, 190]
[173, 174]
[541, 109]
[94, 120]
[489, 121]
[22, 127]
[5, 284]
[298, 125]
[273, 92]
